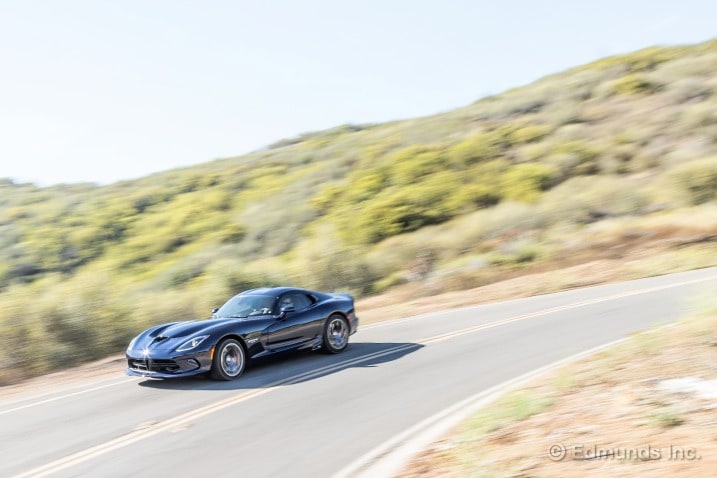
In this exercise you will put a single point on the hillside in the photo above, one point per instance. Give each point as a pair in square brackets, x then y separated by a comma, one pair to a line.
[611, 158]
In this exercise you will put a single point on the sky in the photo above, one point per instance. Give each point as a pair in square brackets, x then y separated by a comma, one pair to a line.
[99, 91]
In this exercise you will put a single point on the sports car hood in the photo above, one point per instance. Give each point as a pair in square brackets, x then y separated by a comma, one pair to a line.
[167, 337]
[180, 330]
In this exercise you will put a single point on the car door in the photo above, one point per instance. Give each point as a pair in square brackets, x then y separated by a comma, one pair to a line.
[296, 327]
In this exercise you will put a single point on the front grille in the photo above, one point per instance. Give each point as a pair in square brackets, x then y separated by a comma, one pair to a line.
[153, 365]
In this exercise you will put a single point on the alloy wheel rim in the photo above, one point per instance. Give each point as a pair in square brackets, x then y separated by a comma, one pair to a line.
[232, 359]
[338, 333]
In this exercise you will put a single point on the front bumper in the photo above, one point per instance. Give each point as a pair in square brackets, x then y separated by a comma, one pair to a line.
[154, 365]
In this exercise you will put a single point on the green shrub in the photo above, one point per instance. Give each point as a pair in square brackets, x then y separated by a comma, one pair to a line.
[525, 182]
[231, 233]
[481, 147]
[631, 85]
[391, 215]
[325, 200]
[415, 163]
[529, 133]
[400, 210]
[574, 158]
[385, 283]
[666, 418]
[698, 179]
[473, 196]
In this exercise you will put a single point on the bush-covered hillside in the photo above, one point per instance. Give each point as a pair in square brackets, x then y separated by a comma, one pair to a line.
[572, 167]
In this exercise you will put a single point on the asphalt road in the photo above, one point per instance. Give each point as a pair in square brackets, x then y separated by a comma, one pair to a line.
[310, 414]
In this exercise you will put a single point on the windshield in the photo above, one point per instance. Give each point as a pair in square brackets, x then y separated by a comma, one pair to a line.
[247, 306]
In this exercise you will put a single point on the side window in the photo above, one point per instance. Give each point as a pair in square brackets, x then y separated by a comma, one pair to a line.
[300, 301]
[285, 300]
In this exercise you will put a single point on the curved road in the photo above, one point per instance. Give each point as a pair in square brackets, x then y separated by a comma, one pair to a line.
[311, 414]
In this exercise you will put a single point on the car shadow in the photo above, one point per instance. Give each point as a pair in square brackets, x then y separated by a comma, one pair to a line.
[293, 367]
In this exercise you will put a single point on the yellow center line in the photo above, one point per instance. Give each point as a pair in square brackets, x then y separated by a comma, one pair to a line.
[188, 417]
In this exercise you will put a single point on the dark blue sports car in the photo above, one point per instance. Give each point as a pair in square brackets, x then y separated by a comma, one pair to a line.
[255, 323]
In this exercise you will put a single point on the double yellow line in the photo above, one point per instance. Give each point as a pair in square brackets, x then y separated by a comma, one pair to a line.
[191, 416]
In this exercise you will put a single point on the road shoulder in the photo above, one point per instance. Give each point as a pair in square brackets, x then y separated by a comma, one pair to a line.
[647, 406]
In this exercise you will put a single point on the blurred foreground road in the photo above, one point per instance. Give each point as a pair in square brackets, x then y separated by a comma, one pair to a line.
[310, 414]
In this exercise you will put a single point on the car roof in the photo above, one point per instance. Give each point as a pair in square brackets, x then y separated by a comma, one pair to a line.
[273, 290]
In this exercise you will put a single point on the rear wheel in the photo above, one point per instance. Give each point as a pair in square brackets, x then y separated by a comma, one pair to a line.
[336, 334]
[229, 360]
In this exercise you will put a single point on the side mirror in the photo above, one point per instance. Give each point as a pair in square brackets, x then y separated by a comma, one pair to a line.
[287, 309]
[215, 310]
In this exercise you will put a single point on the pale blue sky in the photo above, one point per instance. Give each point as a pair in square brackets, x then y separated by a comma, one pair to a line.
[99, 90]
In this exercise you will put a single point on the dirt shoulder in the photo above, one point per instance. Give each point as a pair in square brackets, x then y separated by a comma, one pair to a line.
[646, 407]
[416, 299]
[422, 298]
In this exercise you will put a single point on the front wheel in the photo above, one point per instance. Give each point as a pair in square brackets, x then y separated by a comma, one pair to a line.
[229, 360]
[336, 334]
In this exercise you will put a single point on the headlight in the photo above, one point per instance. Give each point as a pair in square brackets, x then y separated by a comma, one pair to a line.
[131, 344]
[192, 343]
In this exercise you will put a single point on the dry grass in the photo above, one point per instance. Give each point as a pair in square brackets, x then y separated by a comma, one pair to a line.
[630, 262]
[610, 404]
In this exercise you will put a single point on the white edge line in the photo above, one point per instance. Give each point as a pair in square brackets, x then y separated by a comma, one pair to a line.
[68, 395]
[391, 456]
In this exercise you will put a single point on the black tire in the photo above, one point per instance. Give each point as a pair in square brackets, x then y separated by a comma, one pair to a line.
[229, 360]
[336, 334]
